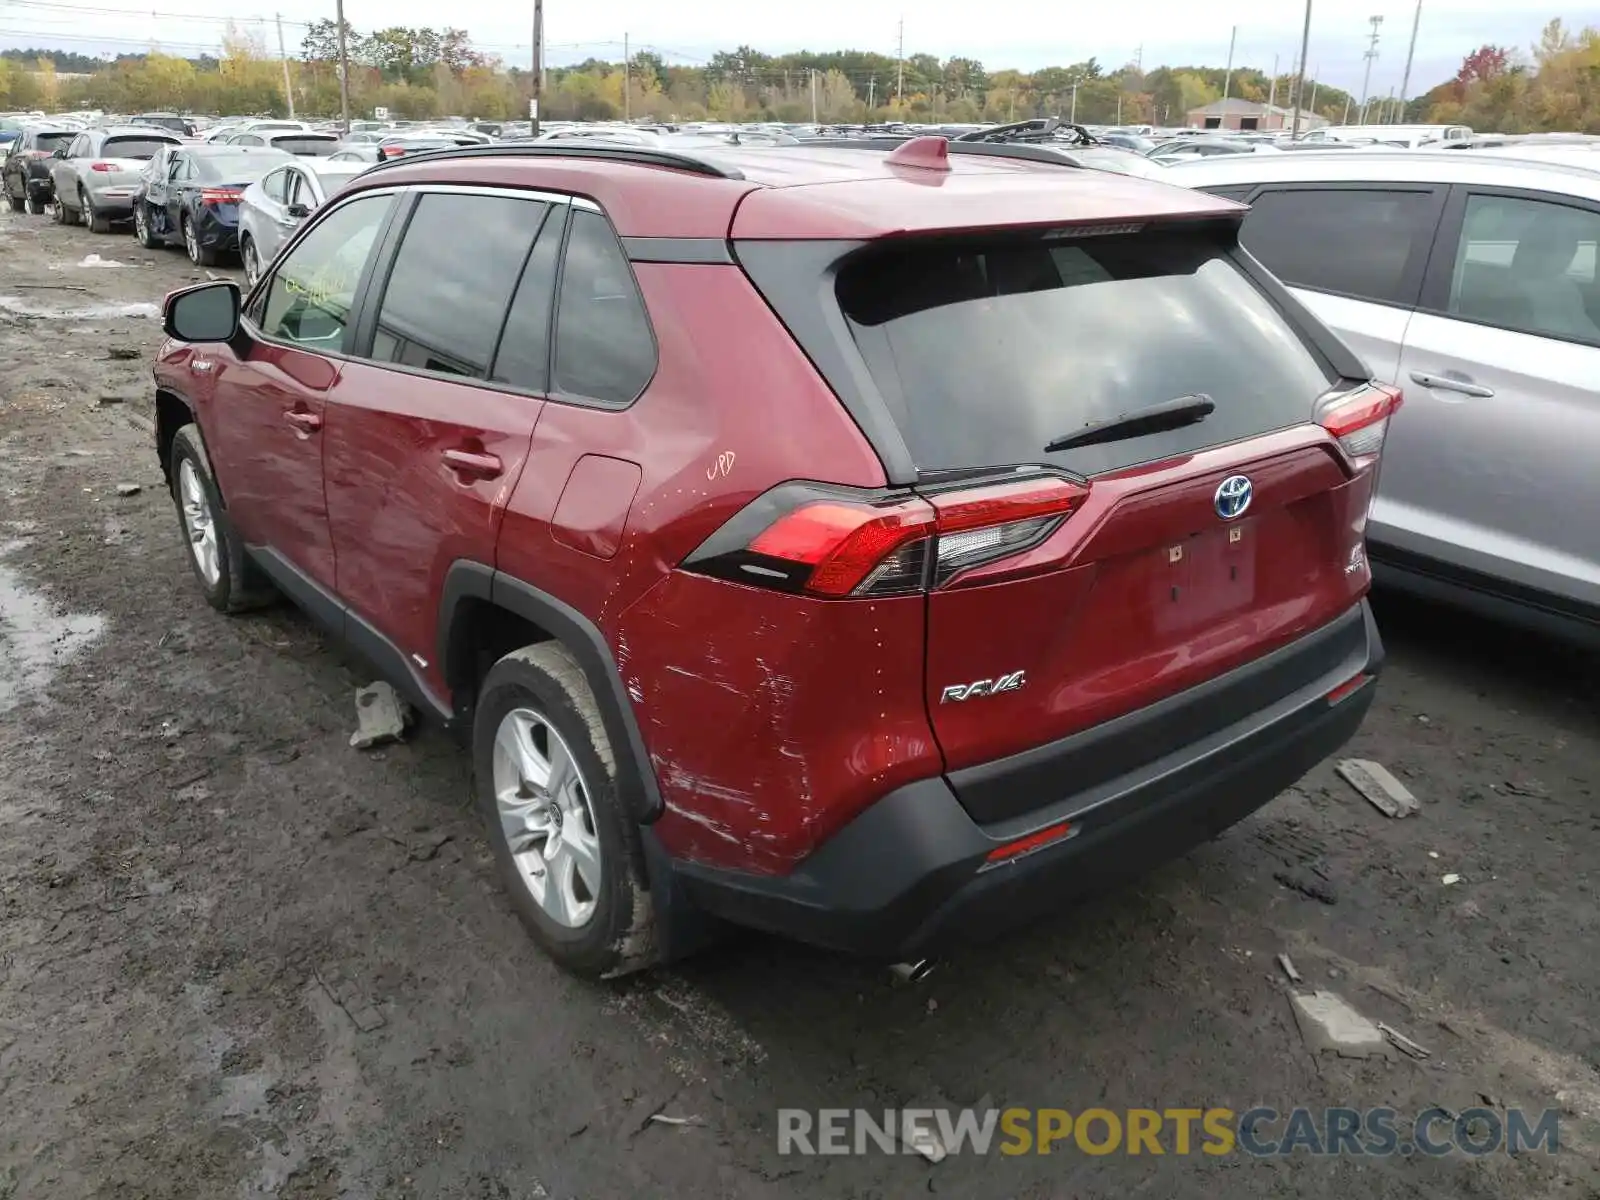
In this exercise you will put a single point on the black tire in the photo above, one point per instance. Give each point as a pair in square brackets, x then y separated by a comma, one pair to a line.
[35, 203]
[97, 221]
[250, 260]
[620, 936]
[142, 232]
[18, 204]
[64, 214]
[200, 256]
[239, 585]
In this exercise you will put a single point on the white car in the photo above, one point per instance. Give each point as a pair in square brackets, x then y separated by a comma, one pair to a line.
[274, 206]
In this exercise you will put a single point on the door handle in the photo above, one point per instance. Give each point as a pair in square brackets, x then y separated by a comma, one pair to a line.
[306, 422]
[1448, 383]
[473, 465]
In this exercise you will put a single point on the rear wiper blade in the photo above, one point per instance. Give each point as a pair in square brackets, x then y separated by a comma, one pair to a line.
[1169, 414]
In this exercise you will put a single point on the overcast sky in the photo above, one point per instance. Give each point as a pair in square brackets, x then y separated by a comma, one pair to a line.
[1001, 33]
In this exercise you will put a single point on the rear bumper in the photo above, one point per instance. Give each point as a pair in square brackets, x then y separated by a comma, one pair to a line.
[116, 200]
[215, 233]
[911, 873]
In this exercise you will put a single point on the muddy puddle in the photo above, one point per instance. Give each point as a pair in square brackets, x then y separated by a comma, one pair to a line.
[36, 638]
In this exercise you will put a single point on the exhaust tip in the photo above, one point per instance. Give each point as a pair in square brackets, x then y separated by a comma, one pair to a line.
[904, 973]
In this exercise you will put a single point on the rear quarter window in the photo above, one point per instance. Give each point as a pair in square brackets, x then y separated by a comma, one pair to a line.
[985, 351]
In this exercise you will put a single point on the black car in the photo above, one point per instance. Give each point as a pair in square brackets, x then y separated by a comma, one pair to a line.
[191, 195]
[25, 173]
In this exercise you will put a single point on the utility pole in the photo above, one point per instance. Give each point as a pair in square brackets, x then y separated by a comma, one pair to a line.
[813, 96]
[900, 70]
[288, 87]
[1073, 120]
[1272, 92]
[538, 65]
[872, 94]
[1138, 59]
[1314, 81]
[1300, 90]
[1227, 80]
[1405, 80]
[1388, 116]
[1370, 55]
[1119, 108]
[627, 81]
[344, 69]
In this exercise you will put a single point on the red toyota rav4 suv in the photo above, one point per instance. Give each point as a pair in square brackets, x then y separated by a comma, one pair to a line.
[873, 547]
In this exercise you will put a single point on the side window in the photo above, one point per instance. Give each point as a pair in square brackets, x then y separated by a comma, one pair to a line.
[275, 185]
[79, 147]
[1357, 242]
[523, 359]
[447, 294]
[313, 289]
[1528, 265]
[604, 347]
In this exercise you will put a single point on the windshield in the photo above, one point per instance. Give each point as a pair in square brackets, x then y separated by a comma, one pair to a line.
[307, 145]
[133, 147]
[987, 350]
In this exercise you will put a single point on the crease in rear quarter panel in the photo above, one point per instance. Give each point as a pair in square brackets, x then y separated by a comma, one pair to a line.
[773, 719]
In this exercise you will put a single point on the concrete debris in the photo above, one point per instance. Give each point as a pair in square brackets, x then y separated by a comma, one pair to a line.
[1288, 968]
[1450, 879]
[663, 1119]
[1402, 1041]
[920, 1132]
[1530, 788]
[110, 398]
[1329, 1024]
[128, 489]
[381, 715]
[1373, 780]
[349, 996]
[123, 353]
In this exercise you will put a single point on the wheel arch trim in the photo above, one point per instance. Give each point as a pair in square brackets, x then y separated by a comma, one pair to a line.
[467, 580]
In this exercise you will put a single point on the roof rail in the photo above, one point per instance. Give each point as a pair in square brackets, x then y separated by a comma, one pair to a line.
[1030, 151]
[616, 152]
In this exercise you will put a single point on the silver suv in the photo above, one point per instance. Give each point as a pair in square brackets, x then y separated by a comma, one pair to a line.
[1470, 280]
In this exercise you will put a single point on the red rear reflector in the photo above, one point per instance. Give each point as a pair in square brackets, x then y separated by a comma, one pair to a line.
[1348, 688]
[1360, 420]
[843, 543]
[1037, 840]
[100, 166]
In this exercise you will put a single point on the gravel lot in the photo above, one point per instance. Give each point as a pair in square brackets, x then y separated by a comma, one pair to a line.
[238, 957]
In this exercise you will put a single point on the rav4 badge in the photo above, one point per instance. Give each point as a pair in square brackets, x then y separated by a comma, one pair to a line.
[983, 687]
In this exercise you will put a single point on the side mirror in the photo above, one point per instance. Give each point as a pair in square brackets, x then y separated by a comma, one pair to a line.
[61, 152]
[207, 312]
[298, 211]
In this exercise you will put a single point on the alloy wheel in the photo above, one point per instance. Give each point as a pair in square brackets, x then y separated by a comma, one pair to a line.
[199, 522]
[543, 803]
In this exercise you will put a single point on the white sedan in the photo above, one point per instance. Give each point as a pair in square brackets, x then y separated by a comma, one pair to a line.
[274, 206]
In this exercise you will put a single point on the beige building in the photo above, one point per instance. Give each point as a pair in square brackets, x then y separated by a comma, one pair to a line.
[1245, 115]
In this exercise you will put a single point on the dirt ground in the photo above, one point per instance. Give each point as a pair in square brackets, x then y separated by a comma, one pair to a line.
[239, 958]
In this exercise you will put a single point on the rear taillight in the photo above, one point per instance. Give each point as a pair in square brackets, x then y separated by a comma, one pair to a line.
[391, 151]
[1360, 420]
[220, 195]
[101, 166]
[837, 547]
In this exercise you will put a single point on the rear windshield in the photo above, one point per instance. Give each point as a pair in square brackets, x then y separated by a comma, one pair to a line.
[314, 146]
[51, 142]
[133, 147]
[985, 351]
[238, 168]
